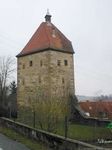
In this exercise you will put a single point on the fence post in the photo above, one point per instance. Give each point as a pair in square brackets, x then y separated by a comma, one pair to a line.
[34, 118]
[66, 127]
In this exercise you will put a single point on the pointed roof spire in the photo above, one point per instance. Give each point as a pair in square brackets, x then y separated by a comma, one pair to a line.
[48, 16]
[47, 37]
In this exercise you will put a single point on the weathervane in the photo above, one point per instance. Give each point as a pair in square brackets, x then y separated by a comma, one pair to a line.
[48, 12]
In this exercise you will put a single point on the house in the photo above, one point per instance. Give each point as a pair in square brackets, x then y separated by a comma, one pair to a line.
[97, 109]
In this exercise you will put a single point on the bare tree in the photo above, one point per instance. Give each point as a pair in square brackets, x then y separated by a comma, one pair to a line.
[49, 111]
[6, 70]
[45, 110]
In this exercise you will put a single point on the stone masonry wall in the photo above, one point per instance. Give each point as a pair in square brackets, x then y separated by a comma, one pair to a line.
[50, 71]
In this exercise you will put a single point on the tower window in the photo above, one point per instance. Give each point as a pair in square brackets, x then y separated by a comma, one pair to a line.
[59, 62]
[23, 66]
[30, 63]
[23, 82]
[39, 79]
[66, 62]
[41, 63]
[19, 80]
[63, 81]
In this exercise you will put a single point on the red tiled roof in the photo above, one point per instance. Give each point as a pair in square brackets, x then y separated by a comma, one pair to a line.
[47, 37]
[94, 108]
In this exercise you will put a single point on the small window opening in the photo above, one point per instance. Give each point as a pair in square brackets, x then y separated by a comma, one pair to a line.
[23, 82]
[39, 79]
[66, 62]
[41, 63]
[63, 81]
[23, 66]
[59, 62]
[31, 63]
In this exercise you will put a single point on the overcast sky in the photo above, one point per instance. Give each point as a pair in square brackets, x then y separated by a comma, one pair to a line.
[87, 23]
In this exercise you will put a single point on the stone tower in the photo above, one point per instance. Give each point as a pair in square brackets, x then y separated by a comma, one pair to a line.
[46, 64]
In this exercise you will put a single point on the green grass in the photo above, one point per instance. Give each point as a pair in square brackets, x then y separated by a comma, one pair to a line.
[31, 144]
[79, 132]
[87, 133]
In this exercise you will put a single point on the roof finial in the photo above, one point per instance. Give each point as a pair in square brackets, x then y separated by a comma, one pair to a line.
[48, 16]
[47, 12]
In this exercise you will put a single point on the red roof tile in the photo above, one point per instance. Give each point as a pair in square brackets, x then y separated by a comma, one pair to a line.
[47, 37]
[94, 108]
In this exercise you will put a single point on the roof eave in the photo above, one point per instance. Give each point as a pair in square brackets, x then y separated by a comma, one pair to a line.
[42, 50]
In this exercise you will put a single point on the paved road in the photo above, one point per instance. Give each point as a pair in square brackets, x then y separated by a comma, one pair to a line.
[8, 144]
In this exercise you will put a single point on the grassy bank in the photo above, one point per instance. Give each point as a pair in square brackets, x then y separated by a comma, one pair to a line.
[86, 133]
[79, 132]
[32, 145]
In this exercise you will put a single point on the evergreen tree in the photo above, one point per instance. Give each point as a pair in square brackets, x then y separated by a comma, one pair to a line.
[13, 87]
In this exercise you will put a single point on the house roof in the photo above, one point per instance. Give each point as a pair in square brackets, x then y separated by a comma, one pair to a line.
[96, 107]
[47, 37]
